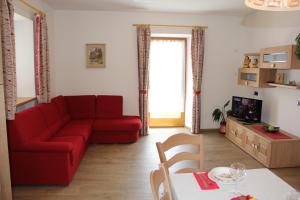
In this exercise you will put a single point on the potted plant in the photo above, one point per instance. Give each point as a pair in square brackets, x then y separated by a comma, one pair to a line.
[220, 115]
[298, 46]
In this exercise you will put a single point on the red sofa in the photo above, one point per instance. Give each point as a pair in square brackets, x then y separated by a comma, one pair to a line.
[48, 141]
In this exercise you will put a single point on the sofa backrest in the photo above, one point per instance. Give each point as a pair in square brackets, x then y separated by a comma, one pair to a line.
[81, 107]
[109, 106]
[61, 106]
[28, 126]
[52, 117]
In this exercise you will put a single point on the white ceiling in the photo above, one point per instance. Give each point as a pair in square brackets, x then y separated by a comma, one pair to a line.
[230, 7]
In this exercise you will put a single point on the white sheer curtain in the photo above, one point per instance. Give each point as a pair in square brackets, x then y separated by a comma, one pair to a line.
[167, 76]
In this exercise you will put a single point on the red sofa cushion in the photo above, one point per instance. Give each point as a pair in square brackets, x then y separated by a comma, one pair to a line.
[75, 142]
[114, 137]
[81, 107]
[29, 126]
[61, 106]
[82, 128]
[109, 106]
[52, 117]
[126, 123]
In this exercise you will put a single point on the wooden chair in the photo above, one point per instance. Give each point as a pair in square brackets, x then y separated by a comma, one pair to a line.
[157, 178]
[177, 140]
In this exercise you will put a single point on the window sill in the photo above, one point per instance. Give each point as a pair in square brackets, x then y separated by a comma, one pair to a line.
[24, 100]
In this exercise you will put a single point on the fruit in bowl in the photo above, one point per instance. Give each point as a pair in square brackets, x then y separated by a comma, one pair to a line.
[243, 197]
[271, 129]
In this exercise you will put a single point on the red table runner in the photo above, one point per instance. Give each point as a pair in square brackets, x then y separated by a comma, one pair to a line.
[278, 135]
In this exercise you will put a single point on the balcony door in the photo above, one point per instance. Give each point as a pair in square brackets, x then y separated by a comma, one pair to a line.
[167, 82]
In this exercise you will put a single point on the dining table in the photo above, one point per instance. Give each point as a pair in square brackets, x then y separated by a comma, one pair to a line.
[259, 183]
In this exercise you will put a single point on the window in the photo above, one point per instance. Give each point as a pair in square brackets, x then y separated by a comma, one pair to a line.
[167, 82]
[24, 38]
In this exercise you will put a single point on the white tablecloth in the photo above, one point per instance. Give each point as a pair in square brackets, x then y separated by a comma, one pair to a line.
[260, 183]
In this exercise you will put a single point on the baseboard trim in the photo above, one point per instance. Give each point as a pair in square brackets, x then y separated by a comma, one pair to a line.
[209, 130]
[205, 130]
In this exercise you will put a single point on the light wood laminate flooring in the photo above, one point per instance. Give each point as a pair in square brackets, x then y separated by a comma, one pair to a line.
[121, 172]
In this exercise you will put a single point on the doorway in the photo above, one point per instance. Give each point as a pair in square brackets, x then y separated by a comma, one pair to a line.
[167, 82]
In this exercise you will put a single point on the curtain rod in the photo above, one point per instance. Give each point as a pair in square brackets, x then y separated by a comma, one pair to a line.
[176, 26]
[29, 5]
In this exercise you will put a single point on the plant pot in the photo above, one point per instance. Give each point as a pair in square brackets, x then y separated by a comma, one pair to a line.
[222, 128]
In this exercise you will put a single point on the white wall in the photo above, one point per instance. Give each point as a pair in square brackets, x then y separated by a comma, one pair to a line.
[267, 29]
[73, 29]
[25, 57]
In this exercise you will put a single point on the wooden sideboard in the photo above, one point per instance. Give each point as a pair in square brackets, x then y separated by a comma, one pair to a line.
[272, 153]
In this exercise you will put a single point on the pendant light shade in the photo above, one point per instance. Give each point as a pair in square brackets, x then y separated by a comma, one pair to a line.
[274, 5]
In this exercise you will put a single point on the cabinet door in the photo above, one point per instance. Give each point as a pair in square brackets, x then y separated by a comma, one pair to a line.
[248, 77]
[276, 57]
[5, 184]
[263, 150]
[249, 143]
[235, 132]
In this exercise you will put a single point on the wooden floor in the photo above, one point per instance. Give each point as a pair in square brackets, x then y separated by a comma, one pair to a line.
[121, 172]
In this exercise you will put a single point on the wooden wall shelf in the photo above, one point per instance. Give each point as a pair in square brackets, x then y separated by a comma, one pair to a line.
[252, 54]
[297, 87]
[256, 77]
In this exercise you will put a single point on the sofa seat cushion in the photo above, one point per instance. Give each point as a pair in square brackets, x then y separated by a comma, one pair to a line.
[77, 144]
[82, 128]
[126, 123]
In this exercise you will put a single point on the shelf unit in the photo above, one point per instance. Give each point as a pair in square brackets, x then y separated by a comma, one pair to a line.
[270, 60]
[256, 77]
[252, 54]
[296, 87]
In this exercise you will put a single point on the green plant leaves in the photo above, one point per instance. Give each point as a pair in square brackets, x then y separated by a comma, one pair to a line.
[220, 114]
[298, 46]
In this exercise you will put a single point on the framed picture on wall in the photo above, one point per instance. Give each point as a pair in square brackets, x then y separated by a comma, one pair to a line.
[95, 55]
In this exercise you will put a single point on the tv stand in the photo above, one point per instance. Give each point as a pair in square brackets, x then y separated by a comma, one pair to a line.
[272, 153]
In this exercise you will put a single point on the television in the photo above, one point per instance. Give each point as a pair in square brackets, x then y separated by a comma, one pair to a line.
[246, 109]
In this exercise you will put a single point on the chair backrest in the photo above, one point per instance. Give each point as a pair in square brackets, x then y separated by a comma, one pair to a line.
[157, 178]
[177, 140]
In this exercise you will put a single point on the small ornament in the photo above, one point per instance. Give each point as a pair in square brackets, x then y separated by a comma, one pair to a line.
[255, 63]
[292, 83]
[279, 78]
[247, 61]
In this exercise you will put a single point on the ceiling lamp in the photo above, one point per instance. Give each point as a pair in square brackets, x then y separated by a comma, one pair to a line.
[274, 5]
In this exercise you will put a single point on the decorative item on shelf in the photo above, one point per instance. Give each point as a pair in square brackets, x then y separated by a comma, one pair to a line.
[246, 63]
[271, 129]
[279, 78]
[95, 55]
[274, 5]
[292, 83]
[298, 46]
[255, 63]
[220, 115]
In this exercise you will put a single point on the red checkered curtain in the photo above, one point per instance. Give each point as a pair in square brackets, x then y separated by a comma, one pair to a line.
[8, 57]
[198, 37]
[42, 74]
[143, 45]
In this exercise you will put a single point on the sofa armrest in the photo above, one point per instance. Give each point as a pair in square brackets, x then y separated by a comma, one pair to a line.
[48, 147]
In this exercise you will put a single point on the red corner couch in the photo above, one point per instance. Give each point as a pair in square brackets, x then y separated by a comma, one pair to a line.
[47, 142]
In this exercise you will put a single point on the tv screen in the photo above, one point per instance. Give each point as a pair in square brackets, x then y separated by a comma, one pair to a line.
[246, 109]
